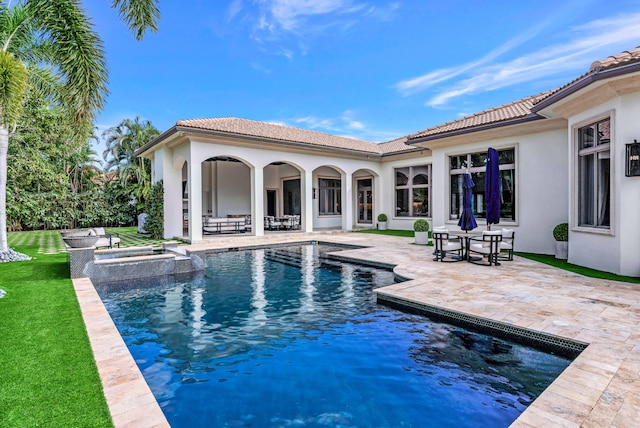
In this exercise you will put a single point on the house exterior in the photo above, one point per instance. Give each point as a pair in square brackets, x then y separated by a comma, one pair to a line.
[563, 158]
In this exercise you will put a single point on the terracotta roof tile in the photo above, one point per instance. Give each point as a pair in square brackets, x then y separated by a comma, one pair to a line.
[514, 110]
[295, 135]
[612, 61]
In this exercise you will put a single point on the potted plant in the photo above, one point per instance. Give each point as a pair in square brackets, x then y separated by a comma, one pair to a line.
[561, 235]
[421, 231]
[382, 221]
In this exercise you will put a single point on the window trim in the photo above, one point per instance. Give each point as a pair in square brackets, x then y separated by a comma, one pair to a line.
[574, 218]
[409, 186]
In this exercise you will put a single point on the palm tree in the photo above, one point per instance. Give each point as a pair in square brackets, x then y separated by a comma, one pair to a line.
[122, 141]
[56, 34]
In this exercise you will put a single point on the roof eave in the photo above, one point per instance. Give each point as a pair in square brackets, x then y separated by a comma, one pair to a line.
[584, 82]
[166, 134]
[470, 130]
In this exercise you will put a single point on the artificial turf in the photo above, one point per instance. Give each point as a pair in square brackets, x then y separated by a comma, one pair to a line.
[48, 376]
[562, 264]
[389, 232]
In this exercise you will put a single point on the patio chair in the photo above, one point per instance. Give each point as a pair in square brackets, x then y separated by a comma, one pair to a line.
[272, 224]
[105, 239]
[508, 236]
[445, 245]
[488, 246]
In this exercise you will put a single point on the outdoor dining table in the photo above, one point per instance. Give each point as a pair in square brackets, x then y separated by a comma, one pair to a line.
[466, 236]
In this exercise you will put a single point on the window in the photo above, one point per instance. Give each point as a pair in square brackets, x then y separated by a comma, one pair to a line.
[475, 163]
[594, 166]
[413, 191]
[329, 196]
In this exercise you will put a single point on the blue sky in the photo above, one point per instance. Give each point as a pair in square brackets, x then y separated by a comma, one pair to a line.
[370, 70]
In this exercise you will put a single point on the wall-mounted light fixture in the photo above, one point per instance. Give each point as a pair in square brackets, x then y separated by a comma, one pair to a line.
[314, 193]
[632, 155]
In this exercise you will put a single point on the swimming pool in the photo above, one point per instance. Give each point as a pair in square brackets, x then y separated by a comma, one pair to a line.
[286, 337]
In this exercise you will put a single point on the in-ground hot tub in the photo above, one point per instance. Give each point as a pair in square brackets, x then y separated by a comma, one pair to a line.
[118, 264]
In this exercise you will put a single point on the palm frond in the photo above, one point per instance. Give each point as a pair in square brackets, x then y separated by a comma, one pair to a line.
[76, 50]
[139, 15]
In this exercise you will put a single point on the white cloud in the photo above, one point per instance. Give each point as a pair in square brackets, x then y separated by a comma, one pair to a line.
[278, 21]
[584, 44]
[288, 13]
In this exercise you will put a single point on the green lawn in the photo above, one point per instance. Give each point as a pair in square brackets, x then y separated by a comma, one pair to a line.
[562, 264]
[405, 233]
[48, 375]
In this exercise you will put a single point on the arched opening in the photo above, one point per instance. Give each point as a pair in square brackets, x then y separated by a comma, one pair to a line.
[283, 197]
[226, 195]
[365, 197]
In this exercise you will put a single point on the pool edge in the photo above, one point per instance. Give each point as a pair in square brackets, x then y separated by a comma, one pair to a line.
[129, 398]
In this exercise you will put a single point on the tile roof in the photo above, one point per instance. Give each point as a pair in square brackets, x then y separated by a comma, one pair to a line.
[282, 133]
[514, 110]
[623, 58]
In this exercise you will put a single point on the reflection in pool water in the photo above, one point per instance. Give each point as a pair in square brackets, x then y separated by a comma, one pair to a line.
[286, 337]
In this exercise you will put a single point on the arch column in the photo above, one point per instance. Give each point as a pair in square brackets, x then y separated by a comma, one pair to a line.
[348, 201]
[306, 184]
[257, 201]
[171, 176]
[195, 201]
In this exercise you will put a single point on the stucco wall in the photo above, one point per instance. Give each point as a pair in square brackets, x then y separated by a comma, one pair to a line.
[614, 250]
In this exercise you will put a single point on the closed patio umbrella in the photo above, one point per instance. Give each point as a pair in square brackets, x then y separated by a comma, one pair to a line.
[467, 220]
[492, 188]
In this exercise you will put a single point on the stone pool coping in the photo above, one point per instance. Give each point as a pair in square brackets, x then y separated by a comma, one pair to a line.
[601, 388]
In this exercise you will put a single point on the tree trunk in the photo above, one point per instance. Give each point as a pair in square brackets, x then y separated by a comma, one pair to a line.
[4, 148]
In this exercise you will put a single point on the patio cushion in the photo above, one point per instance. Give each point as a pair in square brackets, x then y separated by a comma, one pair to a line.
[507, 239]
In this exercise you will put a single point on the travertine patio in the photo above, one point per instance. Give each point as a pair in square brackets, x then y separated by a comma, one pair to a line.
[601, 388]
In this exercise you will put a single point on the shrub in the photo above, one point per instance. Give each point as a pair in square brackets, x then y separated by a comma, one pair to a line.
[421, 225]
[382, 217]
[561, 232]
[155, 207]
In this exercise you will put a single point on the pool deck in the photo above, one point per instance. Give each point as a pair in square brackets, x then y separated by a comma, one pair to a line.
[601, 388]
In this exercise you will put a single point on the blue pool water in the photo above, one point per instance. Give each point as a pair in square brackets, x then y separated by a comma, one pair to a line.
[287, 338]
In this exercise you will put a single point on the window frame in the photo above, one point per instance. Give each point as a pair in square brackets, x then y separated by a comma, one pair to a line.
[411, 187]
[576, 172]
[337, 196]
[451, 217]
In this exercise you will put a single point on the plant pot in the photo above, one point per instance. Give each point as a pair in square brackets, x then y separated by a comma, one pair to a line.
[81, 241]
[422, 238]
[562, 250]
[382, 225]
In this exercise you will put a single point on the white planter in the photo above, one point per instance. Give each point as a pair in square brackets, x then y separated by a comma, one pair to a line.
[562, 250]
[422, 238]
[382, 225]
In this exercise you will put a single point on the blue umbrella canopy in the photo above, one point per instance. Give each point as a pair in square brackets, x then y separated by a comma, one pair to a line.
[492, 188]
[467, 220]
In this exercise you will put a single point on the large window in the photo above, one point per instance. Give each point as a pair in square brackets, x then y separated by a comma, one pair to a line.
[594, 195]
[329, 196]
[413, 191]
[475, 164]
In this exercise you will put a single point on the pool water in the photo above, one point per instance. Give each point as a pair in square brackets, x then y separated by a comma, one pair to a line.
[287, 338]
